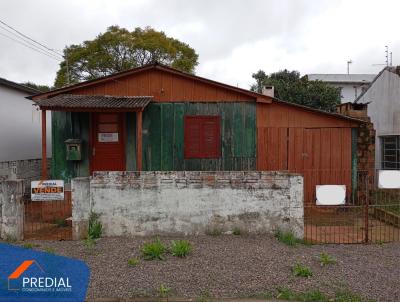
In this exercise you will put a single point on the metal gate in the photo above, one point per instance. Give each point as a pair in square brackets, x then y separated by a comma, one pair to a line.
[369, 215]
[48, 220]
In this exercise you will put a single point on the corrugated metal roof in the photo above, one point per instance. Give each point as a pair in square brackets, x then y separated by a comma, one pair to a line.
[74, 101]
[17, 86]
[342, 78]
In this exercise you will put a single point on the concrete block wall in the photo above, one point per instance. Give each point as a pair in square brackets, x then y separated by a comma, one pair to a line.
[182, 202]
[27, 169]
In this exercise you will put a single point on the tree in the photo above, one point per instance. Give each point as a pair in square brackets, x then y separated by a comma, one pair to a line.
[118, 49]
[42, 88]
[290, 86]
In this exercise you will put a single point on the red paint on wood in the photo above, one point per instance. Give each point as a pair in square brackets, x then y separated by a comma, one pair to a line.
[202, 136]
[108, 155]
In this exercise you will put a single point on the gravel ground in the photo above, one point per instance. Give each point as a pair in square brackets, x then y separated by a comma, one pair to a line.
[235, 266]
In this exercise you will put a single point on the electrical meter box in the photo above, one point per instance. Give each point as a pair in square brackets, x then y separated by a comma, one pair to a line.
[74, 149]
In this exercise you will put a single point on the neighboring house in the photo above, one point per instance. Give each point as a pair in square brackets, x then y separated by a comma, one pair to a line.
[383, 99]
[156, 118]
[351, 85]
[20, 129]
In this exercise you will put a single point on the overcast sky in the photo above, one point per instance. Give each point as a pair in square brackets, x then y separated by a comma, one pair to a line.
[233, 38]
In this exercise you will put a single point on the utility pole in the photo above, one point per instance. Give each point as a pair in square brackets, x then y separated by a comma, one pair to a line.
[348, 66]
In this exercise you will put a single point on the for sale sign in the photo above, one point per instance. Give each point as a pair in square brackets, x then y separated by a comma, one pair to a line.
[47, 190]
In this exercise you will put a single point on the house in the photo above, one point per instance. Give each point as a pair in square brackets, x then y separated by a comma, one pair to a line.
[155, 118]
[20, 127]
[382, 98]
[350, 85]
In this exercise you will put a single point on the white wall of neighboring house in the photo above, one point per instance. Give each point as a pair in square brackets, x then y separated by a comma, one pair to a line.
[20, 126]
[383, 97]
[351, 85]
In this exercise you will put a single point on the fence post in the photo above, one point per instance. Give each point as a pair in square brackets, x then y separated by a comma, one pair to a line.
[12, 209]
[366, 208]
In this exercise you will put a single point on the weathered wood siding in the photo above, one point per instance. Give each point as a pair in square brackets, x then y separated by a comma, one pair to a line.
[67, 125]
[163, 136]
[297, 140]
[164, 87]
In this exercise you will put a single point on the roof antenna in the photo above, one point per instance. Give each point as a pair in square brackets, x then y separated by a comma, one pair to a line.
[348, 66]
[388, 56]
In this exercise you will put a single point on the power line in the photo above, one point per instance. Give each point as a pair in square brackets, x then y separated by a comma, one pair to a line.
[24, 41]
[33, 40]
[26, 45]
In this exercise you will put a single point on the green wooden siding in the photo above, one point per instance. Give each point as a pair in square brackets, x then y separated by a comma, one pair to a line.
[163, 136]
[66, 125]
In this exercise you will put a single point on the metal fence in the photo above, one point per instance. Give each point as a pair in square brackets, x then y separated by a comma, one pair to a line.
[48, 220]
[369, 214]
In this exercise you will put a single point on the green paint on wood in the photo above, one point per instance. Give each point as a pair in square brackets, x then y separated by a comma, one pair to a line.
[163, 140]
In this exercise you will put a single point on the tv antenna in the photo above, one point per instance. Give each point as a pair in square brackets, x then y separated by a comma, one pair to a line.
[389, 58]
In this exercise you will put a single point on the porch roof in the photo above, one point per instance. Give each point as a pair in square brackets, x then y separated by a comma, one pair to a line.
[74, 102]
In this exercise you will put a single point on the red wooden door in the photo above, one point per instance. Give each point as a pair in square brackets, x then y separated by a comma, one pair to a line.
[108, 142]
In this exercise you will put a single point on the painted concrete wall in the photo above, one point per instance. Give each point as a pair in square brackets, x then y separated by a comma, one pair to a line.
[11, 210]
[20, 127]
[147, 203]
[384, 108]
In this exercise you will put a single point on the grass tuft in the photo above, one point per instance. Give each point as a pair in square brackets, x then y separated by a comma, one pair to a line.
[89, 242]
[326, 259]
[237, 231]
[204, 296]
[308, 296]
[95, 227]
[154, 250]
[49, 250]
[300, 270]
[180, 248]
[133, 261]
[164, 291]
[287, 238]
[28, 245]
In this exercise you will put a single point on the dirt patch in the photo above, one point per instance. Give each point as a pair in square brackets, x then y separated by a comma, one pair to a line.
[235, 266]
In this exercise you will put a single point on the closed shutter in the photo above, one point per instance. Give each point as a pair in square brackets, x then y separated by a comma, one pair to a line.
[202, 137]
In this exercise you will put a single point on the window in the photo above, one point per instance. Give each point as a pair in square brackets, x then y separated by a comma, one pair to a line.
[390, 152]
[202, 136]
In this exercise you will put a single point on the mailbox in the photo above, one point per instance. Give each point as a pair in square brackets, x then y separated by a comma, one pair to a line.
[74, 149]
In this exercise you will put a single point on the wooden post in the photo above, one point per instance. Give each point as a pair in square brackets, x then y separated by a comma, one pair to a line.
[44, 146]
[139, 140]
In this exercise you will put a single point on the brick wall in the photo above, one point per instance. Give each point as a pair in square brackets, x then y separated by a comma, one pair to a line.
[147, 203]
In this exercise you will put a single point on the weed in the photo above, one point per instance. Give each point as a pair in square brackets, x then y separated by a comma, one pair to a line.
[308, 296]
[287, 238]
[133, 261]
[347, 296]
[95, 227]
[205, 296]
[379, 242]
[180, 248]
[90, 242]
[300, 270]
[154, 250]
[214, 232]
[49, 250]
[326, 259]
[28, 245]
[237, 231]
[60, 223]
[164, 291]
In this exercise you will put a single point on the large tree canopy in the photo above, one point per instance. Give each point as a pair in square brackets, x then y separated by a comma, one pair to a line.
[119, 49]
[289, 86]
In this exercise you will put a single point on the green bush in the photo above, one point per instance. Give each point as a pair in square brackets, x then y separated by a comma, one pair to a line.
[300, 270]
[180, 248]
[326, 259]
[95, 227]
[133, 261]
[154, 250]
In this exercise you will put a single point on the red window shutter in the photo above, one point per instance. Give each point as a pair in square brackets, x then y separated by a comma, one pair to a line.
[202, 137]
